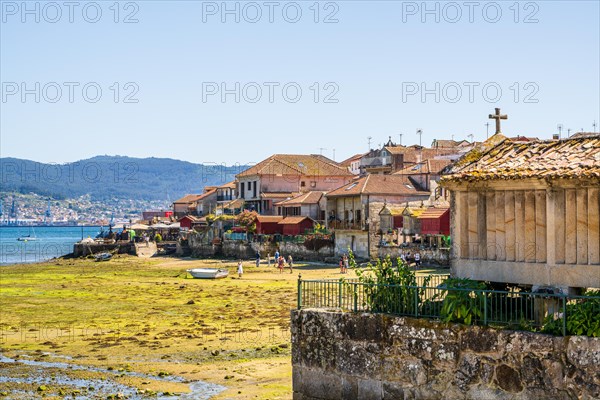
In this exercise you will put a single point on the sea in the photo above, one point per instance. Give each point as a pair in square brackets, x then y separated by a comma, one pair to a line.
[50, 242]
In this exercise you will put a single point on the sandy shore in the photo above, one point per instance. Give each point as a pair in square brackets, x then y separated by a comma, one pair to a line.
[145, 325]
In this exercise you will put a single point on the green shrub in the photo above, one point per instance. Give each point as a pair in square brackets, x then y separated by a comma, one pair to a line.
[389, 289]
[583, 317]
[464, 305]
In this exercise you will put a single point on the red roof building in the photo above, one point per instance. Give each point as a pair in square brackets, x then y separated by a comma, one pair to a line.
[268, 224]
[294, 226]
[435, 221]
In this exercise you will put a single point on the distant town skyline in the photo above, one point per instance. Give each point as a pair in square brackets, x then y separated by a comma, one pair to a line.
[196, 82]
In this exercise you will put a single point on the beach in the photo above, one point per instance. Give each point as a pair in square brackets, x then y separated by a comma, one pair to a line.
[137, 327]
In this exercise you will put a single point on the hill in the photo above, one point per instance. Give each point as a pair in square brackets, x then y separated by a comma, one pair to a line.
[110, 177]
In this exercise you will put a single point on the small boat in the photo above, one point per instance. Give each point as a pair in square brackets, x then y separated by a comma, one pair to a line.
[103, 256]
[28, 238]
[208, 273]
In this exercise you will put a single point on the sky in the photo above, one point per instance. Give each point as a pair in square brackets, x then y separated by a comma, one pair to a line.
[234, 82]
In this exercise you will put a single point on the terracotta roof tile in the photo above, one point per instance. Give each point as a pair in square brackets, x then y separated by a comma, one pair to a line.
[293, 220]
[294, 164]
[426, 167]
[377, 184]
[550, 159]
[305, 198]
[268, 218]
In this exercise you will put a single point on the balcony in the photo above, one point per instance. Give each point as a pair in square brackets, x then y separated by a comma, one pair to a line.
[225, 197]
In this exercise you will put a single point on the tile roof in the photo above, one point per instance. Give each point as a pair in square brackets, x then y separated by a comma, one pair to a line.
[188, 198]
[549, 159]
[268, 218]
[433, 213]
[349, 160]
[431, 166]
[293, 220]
[414, 154]
[228, 185]
[392, 185]
[297, 164]
[305, 198]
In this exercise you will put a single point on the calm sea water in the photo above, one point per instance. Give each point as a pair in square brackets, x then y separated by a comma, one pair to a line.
[51, 242]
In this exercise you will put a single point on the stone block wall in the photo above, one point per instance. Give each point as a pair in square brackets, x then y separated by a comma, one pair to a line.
[372, 356]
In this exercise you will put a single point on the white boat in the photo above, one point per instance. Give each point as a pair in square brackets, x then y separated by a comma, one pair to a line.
[103, 256]
[28, 238]
[208, 273]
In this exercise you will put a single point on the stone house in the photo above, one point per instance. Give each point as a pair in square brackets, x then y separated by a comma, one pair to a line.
[283, 176]
[527, 212]
[355, 208]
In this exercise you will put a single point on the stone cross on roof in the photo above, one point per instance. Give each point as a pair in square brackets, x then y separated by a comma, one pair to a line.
[497, 116]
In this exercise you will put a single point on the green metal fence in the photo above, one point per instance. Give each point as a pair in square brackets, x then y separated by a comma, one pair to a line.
[512, 309]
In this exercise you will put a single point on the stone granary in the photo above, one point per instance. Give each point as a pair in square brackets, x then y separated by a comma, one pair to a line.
[527, 213]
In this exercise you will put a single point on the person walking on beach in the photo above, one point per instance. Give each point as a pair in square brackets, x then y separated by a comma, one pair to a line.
[276, 260]
[280, 262]
[257, 258]
[240, 269]
[341, 264]
[269, 260]
[291, 264]
[346, 262]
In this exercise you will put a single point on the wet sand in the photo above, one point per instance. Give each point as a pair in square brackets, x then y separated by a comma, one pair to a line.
[141, 327]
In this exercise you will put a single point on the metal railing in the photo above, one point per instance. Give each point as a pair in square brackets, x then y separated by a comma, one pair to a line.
[508, 309]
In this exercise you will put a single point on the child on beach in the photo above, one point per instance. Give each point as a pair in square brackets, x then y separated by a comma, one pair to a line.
[280, 262]
[291, 264]
[341, 264]
[346, 262]
[240, 269]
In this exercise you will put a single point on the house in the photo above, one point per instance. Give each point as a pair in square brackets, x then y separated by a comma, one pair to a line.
[227, 199]
[353, 209]
[426, 174]
[353, 164]
[268, 224]
[310, 204]
[527, 212]
[284, 176]
[392, 158]
[294, 226]
[196, 204]
[190, 221]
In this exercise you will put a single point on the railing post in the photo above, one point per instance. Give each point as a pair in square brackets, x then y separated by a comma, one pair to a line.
[340, 300]
[485, 309]
[299, 291]
[564, 324]
[416, 301]
[355, 297]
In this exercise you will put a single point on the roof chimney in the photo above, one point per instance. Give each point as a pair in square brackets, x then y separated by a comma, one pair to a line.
[555, 136]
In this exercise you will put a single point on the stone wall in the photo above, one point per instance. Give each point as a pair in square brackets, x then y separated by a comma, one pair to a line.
[357, 241]
[431, 257]
[372, 356]
[239, 249]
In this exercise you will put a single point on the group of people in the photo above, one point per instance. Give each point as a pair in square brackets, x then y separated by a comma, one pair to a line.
[408, 258]
[344, 264]
[280, 262]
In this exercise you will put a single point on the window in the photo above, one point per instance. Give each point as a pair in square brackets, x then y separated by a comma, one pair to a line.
[254, 191]
[302, 184]
[358, 216]
[242, 190]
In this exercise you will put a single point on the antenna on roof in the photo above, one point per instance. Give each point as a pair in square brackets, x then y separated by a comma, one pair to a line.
[560, 128]
[333, 154]
[420, 133]
[569, 132]
[594, 126]
[369, 139]
[400, 136]
[321, 149]
[471, 136]
[487, 130]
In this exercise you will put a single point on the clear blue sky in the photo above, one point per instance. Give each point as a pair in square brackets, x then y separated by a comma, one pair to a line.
[374, 55]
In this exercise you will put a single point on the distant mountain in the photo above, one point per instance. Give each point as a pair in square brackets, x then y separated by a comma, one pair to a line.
[110, 177]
